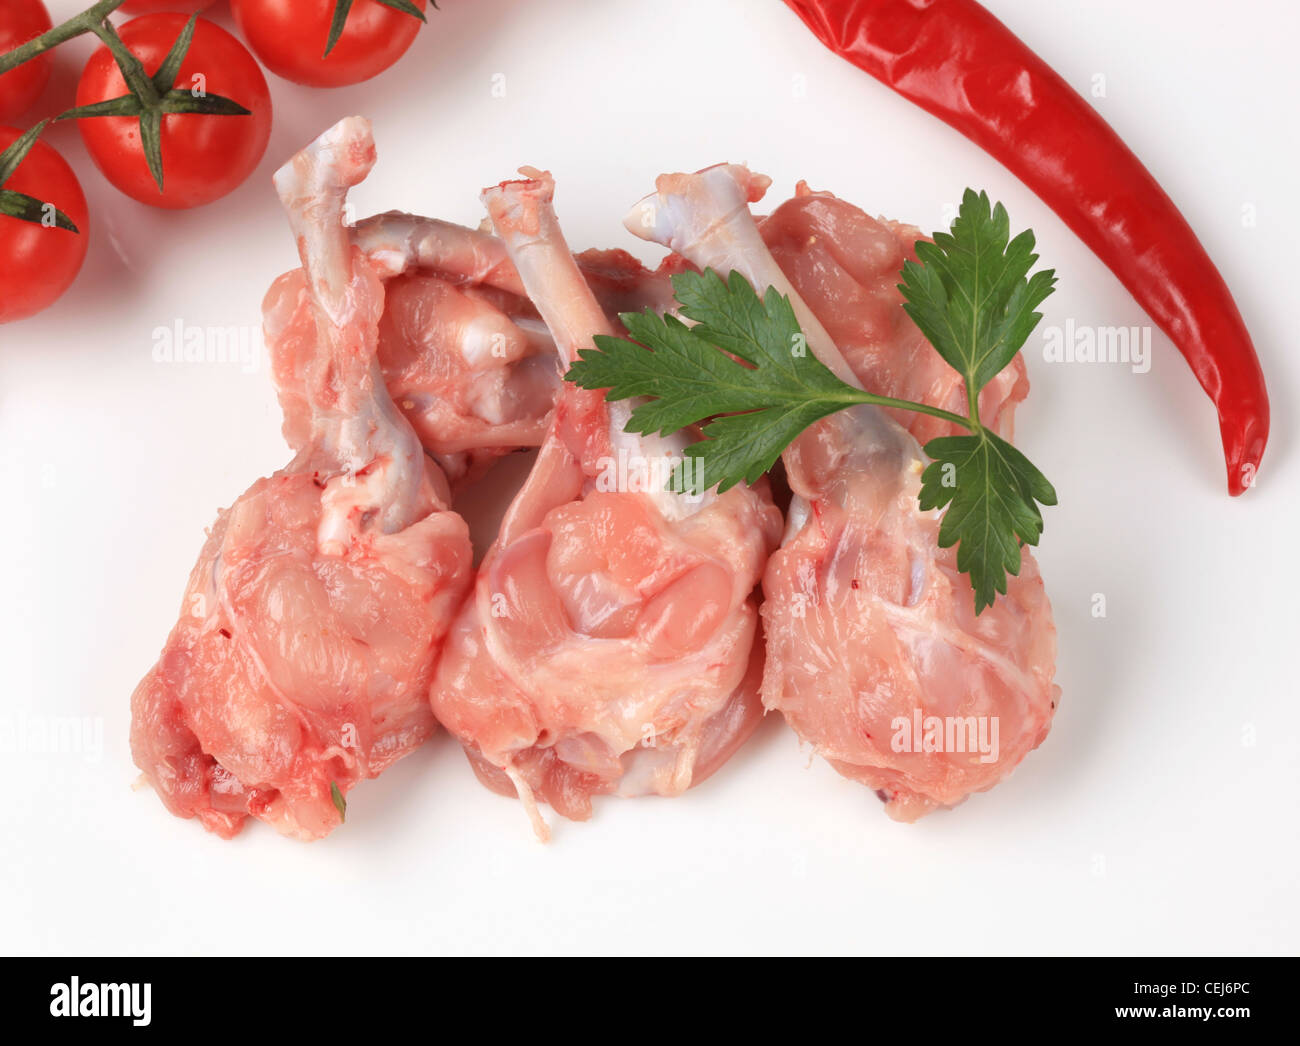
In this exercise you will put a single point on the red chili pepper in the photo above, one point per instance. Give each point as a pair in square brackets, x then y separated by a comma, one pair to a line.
[959, 63]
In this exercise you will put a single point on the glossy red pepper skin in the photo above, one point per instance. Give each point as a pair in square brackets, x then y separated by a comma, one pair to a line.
[958, 62]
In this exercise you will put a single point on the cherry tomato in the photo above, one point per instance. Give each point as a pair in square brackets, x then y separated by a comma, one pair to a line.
[204, 156]
[289, 37]
[143, 7]
[39, 262]
[20, 20]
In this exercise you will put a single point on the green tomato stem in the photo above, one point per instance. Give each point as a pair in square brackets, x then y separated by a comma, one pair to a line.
[86, 22]
[137, 80]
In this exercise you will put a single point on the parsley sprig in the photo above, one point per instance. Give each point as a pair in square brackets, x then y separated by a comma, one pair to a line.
[971, 295]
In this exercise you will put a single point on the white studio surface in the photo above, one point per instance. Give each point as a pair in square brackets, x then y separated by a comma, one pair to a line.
[1158, 817]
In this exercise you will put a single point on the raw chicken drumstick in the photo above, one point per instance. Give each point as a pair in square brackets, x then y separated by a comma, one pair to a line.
[610, 644]
[309, 630]
[867, 620]
[464, 353]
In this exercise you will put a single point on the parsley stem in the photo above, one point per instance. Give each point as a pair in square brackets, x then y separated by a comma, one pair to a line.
[918, 408]
[973, 399]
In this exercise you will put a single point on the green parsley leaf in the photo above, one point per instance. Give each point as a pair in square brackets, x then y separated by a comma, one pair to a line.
[969, 294]
[340, 804]
[990, 489]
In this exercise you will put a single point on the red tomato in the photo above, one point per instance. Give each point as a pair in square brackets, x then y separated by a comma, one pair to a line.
[20, 20]
[142, 7]
[38, 262]
[204, 156]
[289, 37]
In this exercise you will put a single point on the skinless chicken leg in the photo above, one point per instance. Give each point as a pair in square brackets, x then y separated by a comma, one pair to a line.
[868, 622]
[309, 630]
[464, 353]
[610, 644]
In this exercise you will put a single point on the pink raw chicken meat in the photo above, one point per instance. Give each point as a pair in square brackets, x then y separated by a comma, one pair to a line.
[867, 620]
[313, 617]
[472, 365]
[846, 267]
[463, 354]
[610, 643]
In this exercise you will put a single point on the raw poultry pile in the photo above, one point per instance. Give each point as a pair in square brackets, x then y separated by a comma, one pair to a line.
[617, 638]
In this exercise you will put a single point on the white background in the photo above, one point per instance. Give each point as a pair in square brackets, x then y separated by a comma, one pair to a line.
[1160, 814]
